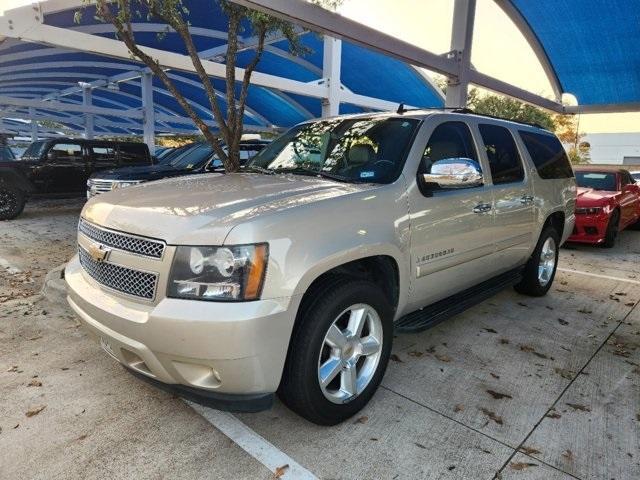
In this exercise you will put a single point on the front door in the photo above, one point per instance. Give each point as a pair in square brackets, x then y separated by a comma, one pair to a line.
[630, 200]
[451, 229]
[513, 198]
[65, 168]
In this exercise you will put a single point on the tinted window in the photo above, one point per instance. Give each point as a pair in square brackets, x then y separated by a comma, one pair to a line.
[6, 153]
[636, 176]
[194, 158]
[448, 140]
[547, 154]
[35, 150]
[504, 160]
[597, 180]
[104, 154]
[66, 150]
[133, 154]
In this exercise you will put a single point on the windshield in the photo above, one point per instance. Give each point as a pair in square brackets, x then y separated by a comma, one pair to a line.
[35, 150]
[352, 150]
[192, 158]
[6, 153]
[597, 180]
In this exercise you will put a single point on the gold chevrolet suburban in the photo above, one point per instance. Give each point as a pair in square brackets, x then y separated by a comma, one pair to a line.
[292, 275]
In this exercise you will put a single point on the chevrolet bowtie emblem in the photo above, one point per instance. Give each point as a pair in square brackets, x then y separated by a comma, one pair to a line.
[99, 252]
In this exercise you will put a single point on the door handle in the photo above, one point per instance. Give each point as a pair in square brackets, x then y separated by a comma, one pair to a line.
[526, 199]
[482, 208]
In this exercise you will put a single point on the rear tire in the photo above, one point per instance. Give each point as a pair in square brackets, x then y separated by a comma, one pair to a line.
[612, 230]
[540, 270]
[12, 201]
[326, 334]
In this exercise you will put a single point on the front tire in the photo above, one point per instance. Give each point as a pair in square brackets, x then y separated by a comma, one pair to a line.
[612, 230]
[339, 351]
[540, 270]
[12, 201]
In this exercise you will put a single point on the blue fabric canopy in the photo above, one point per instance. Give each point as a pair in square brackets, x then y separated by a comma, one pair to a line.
[33, 71]
[592, 45]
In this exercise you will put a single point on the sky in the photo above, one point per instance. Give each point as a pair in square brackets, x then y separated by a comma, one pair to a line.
[499, 49]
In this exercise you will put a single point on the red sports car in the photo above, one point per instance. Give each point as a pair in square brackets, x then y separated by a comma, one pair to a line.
[608, 202]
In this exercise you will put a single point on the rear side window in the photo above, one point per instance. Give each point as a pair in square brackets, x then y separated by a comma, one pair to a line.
[104, 154]
[547, 154]
[504, 160]
[67, 150]
[130, 154]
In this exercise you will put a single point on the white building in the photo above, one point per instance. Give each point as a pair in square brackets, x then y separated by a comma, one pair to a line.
[614, 148]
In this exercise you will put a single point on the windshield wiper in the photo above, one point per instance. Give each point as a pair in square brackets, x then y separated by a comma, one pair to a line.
[316, 173]
[257, 169]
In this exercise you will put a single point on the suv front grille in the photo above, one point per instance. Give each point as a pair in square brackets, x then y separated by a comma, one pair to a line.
[116, 277]
[130, 243]
[94, 187]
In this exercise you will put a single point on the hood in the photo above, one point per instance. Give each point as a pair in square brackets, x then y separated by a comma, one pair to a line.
[588, 197]
[202, 209]
[145, 173]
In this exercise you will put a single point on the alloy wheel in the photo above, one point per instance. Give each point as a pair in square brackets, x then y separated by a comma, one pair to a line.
[350, 353]
[547, 261]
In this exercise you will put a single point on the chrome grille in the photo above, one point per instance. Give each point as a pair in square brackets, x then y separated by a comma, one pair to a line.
[94, 187]
[116, 277]
[130, 243]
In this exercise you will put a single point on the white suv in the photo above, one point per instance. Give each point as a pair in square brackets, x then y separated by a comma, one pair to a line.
[291, 276]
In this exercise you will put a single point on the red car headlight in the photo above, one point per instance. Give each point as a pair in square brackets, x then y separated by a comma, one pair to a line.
[588, 210]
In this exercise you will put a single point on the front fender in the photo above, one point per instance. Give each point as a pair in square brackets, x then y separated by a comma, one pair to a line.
[16, 179]
[306, 242]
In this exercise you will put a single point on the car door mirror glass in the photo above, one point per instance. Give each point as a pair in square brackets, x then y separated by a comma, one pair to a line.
[454, 173]
[52, 156]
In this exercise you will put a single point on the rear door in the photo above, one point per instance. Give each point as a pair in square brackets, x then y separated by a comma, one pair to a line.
[451, 229]
[629, 201]
[65, 168]
[513, 198]
[103, 156]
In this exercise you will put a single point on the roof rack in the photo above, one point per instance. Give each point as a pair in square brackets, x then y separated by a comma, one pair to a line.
[402, 109]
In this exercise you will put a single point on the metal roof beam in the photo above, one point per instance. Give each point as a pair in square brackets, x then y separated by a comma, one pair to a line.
[604, 108]
[516, 17]
[324, 21]
[66, 107]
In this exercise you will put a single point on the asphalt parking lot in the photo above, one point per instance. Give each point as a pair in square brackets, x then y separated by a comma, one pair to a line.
[515, 388]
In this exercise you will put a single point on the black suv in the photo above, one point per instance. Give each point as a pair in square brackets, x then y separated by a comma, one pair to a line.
[187, 160]
[61, 167]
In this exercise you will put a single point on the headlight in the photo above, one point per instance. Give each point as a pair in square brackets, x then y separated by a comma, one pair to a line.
[126, 183]
[588, 210]
[218, 273]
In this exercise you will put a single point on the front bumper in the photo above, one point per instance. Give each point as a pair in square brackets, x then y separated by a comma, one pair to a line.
[223, 348]
[589, 229]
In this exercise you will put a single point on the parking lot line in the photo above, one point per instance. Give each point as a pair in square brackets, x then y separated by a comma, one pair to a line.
[252, 443]
[608, 277]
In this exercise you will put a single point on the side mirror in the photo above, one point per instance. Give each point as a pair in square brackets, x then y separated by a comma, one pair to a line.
[455, 173]
[52, 156]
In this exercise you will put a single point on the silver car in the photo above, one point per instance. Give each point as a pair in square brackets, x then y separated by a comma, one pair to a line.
[291, 276]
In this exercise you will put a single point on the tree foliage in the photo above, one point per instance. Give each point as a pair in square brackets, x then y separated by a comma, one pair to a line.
[122, 14]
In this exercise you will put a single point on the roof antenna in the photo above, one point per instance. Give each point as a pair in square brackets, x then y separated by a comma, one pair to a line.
[401, 109]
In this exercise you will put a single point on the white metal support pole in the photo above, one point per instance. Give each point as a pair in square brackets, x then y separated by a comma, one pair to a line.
[87, 100]
[148, 118]
[34, 124]
[331, 64]
[464, 12]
